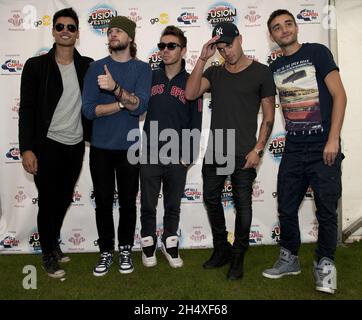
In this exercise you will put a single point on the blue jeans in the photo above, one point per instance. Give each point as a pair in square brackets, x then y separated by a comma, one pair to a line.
[302, 166]
[242, 189]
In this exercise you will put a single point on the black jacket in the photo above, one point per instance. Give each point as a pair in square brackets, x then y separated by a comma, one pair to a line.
[40, 91]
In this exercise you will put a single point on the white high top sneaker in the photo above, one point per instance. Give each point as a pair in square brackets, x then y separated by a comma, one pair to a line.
[170, 250]
[149, 246]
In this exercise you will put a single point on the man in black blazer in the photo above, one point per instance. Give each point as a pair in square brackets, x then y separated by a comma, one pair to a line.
[52, 131]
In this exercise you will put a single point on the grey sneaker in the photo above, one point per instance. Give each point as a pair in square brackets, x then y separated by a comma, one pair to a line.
[51, 266]
[325, 275]
[287, 264]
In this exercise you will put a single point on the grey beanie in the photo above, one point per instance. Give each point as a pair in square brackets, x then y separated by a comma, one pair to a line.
[125, 24]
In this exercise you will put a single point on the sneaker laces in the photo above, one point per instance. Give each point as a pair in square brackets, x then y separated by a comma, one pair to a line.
[104, 259]
[281, 261]
[324, 270]
[320, 272]
[125, 256]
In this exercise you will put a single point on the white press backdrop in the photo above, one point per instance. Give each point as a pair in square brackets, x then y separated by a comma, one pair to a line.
[25, 30]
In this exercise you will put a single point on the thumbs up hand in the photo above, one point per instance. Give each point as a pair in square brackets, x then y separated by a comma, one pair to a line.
[105, 81]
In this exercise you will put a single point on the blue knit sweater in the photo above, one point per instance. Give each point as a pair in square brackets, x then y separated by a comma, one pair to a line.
[110, 132]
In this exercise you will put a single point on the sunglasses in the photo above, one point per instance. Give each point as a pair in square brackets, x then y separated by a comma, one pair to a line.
[71, 27]
[170, 46]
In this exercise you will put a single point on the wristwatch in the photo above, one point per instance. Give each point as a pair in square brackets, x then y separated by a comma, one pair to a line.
[259, 152]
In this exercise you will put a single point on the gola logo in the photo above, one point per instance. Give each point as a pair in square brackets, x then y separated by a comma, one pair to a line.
[219, 31]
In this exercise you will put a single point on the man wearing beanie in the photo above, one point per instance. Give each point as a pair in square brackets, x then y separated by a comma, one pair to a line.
[116, 93]
[238, 87]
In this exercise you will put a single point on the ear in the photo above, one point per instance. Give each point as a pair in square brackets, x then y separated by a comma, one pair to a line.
[240, 38]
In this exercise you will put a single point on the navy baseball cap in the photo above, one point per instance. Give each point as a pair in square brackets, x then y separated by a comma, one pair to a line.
[227, 32]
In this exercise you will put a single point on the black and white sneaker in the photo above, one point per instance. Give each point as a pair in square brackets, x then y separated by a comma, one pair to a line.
[59, 255]
[104, 264]
[149, 246]
[170, 250]
[125, 259]
[51, 266]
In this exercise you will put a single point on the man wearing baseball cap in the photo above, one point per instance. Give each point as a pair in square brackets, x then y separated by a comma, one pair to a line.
[116, 93]
[238, 87]
[226, 31]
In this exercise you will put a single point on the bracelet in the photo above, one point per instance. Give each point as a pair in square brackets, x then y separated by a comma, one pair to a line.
[203, 59]
[116, 86]
[119, 96]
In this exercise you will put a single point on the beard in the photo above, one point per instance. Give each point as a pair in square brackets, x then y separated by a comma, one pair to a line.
[118, 47]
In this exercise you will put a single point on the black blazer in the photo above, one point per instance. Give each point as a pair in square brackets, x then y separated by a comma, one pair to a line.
[40, 91]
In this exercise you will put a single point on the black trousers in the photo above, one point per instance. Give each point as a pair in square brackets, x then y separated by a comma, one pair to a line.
[173, 177]
[302, 166]
[242, 189]
[108, 167]
[59, 166]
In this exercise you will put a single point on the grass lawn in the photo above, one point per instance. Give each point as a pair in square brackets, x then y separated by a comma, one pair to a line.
[191, 282]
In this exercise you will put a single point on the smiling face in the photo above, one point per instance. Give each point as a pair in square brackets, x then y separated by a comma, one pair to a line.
[65, 37]
[170, 56]
[284, 31]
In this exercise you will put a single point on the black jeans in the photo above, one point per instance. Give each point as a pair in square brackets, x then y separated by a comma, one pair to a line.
[106, 167]
[173, 177]
[302, 166]
[242, 189]
[59, 166]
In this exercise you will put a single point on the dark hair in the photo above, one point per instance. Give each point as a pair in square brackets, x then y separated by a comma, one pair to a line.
[133, 49]
[177, 32]
[277, 13]
[67, 12]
